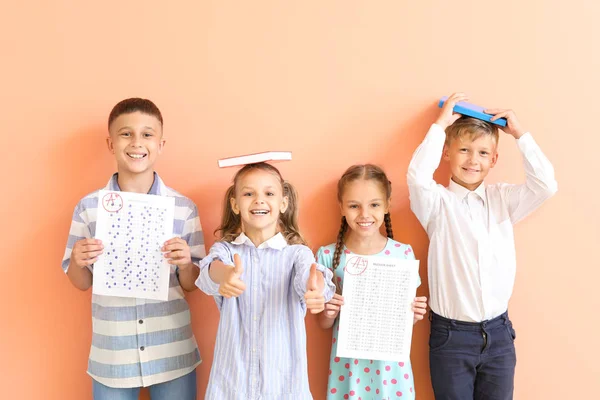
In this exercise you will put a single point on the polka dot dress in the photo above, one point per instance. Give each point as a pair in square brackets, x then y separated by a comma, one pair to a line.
[358, 379]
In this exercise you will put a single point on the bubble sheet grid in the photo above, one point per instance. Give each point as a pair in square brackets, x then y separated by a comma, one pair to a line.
[133, 228]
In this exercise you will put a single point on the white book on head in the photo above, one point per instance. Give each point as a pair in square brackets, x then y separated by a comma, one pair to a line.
[255, 158]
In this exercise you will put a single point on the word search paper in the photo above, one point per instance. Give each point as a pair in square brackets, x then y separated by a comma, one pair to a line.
[376, 319]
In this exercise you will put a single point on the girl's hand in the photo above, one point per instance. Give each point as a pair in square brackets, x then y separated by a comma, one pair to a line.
[315, 301]
[332, 308]
[419, 307]
[232, 285]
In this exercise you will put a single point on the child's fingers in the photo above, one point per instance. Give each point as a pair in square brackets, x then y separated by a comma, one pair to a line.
[319, 302]
[329, 306]
[90, 255]
[179, 261]
[419, 305]
[174, 240]
[312, 278]
[181, 245]
[86, 248]
[88, 241]
[418, 317]
[315, 308]
[177, 254]
[336, 301]
[498, 116]
[501, 114]
[238, 268]
[237, 285]
[85, 262]
[229, 291]
[419, 310]
[456, 98]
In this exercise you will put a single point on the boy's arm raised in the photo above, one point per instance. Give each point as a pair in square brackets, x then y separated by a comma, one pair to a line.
[540, 183]
[423, 190]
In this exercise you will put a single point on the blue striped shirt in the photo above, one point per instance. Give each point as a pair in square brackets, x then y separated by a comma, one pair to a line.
[138, 342]
[261, 342]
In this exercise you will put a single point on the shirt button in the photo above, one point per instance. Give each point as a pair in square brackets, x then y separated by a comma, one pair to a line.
[142, 348]
[141, 321]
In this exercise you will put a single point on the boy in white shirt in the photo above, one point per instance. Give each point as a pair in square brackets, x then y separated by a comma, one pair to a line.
[472, 258]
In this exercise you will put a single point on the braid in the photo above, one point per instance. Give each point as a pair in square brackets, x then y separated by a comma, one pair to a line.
[337, 254]
[388, 225]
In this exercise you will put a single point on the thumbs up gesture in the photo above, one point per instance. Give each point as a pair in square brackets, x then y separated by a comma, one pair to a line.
[315, 301]
[231, 284]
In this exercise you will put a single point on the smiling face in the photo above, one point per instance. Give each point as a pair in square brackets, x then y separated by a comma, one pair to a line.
[364, 204]
[259, 201]
[471, 159]
[136, 141]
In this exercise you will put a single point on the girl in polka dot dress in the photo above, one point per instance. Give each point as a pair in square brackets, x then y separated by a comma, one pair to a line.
[364, 194]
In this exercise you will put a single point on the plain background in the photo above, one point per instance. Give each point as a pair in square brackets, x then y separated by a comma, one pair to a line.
[336, 83]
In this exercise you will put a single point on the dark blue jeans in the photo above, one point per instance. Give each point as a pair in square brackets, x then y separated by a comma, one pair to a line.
[472, 360]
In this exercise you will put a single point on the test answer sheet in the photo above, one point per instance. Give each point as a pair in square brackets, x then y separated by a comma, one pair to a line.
[376, 319]
[133, 227]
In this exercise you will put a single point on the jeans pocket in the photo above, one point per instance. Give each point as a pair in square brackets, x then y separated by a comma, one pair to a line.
[511, 332]
[439, 338]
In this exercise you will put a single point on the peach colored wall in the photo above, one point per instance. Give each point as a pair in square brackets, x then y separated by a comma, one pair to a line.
[335, 82]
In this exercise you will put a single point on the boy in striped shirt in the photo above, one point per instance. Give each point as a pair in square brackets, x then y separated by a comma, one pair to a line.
[137, 342]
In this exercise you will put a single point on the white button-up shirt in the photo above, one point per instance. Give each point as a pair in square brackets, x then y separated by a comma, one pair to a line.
[472, 259]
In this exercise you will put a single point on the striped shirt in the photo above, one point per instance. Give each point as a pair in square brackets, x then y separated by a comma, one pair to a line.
[138, 342]
[261, 341]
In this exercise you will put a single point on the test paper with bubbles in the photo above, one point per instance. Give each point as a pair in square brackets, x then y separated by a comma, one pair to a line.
[133, 227]
[376, 319]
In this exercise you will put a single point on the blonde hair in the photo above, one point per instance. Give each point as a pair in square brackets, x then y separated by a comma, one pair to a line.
[231, 223]
[472, 128]
[354, 173]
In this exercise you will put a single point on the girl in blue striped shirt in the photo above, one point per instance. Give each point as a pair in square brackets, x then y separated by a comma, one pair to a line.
[263, 278]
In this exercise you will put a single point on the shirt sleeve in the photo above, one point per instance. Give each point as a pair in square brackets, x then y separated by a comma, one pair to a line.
[410, 255]
[304, 259]
[193, 235]
[424, 192]
[219, 251]
[539, 185]
[79, 230]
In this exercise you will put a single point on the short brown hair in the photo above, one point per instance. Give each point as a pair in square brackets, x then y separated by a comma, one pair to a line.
[471, 127]
[135, 104]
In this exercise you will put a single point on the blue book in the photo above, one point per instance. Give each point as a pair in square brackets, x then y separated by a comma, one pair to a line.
[473, 110]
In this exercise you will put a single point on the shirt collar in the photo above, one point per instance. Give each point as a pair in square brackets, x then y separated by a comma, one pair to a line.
[461, 192]
[156, 188]
[277, 242]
